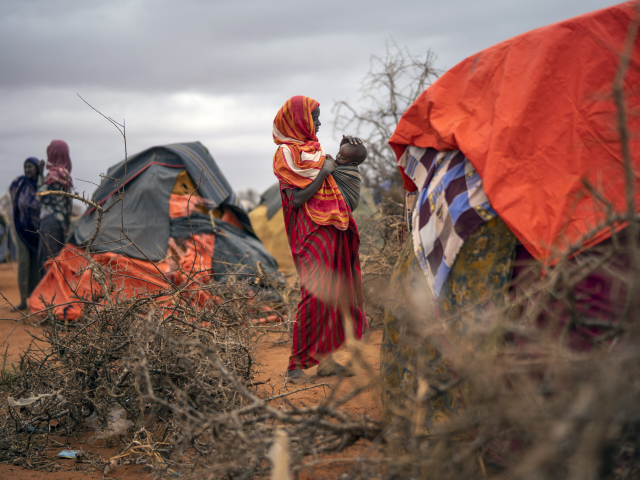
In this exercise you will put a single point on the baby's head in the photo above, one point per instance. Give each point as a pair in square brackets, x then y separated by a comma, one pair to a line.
[351, 154]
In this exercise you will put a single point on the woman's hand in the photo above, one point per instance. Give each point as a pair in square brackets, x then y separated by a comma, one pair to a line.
[303, 195]
[41, 167]
[350, 139]
[329, 165]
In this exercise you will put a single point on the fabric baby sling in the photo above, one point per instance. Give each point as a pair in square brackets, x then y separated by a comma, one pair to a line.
[348, 179]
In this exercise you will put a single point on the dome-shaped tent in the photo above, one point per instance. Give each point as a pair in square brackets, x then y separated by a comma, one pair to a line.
[535, 119]
[177, 207]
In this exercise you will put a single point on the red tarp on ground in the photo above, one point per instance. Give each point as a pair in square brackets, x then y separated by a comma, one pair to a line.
[65, 274]
[535, 116]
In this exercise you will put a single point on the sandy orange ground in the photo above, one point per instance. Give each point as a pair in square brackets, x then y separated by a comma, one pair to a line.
[14, 336]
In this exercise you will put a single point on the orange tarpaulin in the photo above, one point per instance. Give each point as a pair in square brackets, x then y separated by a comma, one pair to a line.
[190, 267]
[536, 117]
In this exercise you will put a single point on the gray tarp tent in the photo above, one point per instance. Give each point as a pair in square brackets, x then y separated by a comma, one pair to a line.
[148, 179]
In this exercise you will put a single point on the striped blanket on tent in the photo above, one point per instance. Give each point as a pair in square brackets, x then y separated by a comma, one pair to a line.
[451, 205]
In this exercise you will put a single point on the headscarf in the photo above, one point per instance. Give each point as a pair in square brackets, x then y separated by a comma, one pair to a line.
[26, 208]
[36, 162]
[299, 159]
[59, 164]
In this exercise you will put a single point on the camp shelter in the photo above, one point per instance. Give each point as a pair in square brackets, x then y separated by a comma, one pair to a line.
[268, 221]
[536, 118]
[178, 214]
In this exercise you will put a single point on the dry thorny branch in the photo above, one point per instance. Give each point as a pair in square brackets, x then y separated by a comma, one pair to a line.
[390, 87]
[180, 374]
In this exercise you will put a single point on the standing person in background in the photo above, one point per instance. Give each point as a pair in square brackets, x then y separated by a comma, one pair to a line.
[26, 219]
[324, 241]
[55, 215]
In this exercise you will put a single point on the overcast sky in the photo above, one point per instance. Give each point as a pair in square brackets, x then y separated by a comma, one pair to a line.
[214, 71]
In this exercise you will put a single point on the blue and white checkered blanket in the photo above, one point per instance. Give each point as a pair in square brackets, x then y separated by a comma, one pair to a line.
[451, 205]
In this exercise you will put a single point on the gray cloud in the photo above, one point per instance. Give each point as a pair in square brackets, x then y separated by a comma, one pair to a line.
[214, 71]
[230, 46]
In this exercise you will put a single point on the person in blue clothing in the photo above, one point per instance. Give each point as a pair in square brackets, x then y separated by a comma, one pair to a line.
[26, 219]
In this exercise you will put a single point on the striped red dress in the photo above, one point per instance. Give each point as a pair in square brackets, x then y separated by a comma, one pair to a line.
[329, 269]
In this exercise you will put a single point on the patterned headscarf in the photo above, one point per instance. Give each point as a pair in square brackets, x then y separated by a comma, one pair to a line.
[59, 164]
[299, 159]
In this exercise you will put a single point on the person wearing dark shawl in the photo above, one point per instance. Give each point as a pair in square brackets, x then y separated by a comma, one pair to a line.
[26, 219]
[55, 215]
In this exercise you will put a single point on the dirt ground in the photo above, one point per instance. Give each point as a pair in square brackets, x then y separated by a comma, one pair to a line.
[15, 337]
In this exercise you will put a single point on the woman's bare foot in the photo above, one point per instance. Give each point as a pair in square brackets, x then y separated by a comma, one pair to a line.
[297, 376]
[330, 367]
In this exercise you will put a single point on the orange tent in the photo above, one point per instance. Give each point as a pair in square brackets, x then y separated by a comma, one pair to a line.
[536, 117]
[68, 277]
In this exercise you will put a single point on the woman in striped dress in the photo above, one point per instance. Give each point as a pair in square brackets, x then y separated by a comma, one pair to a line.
[324, 241]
